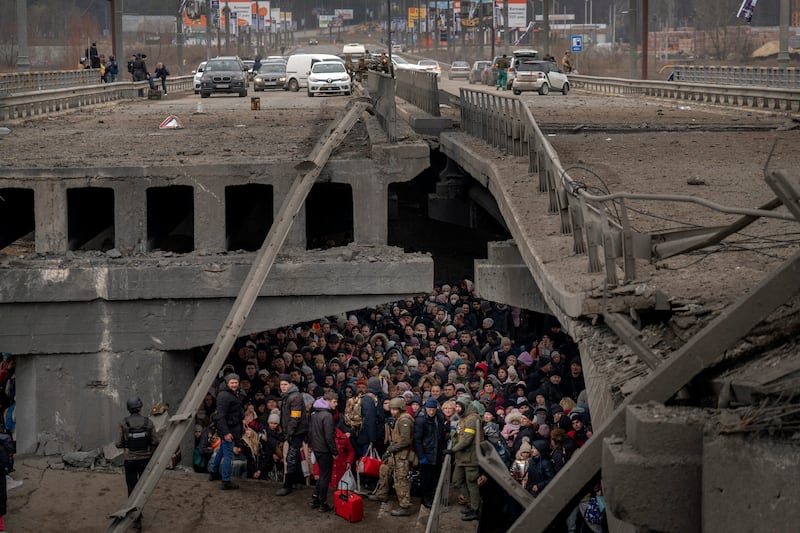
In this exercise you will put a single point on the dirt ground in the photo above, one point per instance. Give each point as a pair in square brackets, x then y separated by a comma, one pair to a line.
[75, 500]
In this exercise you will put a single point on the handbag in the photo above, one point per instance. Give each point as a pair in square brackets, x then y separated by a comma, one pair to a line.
[370, 464]
[347, 481]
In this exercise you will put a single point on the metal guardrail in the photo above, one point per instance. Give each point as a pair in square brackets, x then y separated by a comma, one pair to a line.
[787, 100]
[786, 77]
[40, 103]
[381, 90]
[596, 222]
[420, 89]
[13, 83]
[441, 500]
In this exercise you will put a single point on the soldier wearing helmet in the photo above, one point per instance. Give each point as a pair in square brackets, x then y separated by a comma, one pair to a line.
[137, 436]
[397, 460]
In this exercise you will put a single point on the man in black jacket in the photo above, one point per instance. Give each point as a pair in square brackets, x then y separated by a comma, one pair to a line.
[322, 436]
[228, 420]
[294, 422]
[429, 442]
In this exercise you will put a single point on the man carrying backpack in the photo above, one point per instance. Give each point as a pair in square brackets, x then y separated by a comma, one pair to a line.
[137, 435]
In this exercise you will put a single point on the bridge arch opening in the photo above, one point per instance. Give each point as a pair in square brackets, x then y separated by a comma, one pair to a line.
[248, 216]
[170, 219]
[17, 218]
[329, 215]
[90, 218]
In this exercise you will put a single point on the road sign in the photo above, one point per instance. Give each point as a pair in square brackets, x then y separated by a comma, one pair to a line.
[577, 43]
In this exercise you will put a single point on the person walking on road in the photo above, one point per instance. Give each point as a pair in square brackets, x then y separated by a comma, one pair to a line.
[137, 435]
[230, 428]
[502, 68]
[161, 73]
[322, 436]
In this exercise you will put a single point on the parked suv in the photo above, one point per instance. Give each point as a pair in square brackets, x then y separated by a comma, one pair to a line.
[224, 75]
[539, 75]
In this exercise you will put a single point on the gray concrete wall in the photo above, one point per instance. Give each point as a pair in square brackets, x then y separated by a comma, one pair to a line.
[503, 277]
[750, 484]
[74, 402]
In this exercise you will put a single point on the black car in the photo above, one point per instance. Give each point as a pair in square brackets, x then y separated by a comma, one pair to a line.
[224, 75]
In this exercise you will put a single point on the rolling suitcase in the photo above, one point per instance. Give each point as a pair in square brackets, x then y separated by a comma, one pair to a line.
[348, 505]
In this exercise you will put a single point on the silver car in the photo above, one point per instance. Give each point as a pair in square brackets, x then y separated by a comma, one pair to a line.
[271, 76]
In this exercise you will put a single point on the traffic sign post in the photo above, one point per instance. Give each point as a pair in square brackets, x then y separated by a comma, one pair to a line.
[577, 46]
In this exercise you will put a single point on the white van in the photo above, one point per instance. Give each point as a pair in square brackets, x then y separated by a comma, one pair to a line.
[354, 49]
[298, 67]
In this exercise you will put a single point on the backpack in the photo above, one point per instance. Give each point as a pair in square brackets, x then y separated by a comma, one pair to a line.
[138, 437]
[352, 413]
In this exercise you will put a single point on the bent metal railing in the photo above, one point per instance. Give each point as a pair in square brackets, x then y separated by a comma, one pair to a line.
[40, 103]
[755, 97]
[420, 89]
[599, 224]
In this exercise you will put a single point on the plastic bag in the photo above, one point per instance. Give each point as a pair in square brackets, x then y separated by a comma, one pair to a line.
[348, 481]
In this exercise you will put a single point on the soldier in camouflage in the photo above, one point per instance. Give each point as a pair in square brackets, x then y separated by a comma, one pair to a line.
[397, 460]
[466, 472]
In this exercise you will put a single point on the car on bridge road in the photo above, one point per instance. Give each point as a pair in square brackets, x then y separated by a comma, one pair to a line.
[539, 75]
[459, 69]
[271, 76]
[329, 77]
[224, 75]
[477, 73]
[198, 74]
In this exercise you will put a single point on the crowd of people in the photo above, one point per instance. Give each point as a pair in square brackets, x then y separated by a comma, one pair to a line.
[389, 392]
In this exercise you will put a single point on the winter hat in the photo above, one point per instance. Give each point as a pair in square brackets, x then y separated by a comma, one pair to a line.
[544, 431]
[432, 403]
[525, 358]
[514, 417]
[285, 377]
[450, 329]
[231, 376]
[525, 446]
[542, 446]
[274, 417]
[441, 349]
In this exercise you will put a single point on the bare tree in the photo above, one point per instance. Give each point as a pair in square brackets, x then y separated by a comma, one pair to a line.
[722, 34]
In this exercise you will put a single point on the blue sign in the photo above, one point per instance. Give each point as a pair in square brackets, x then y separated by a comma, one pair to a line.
[577, 43]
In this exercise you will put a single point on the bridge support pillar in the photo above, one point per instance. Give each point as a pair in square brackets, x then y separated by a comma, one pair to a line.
[209, 217]
[370, 209]
[50, 213]
[130, 220]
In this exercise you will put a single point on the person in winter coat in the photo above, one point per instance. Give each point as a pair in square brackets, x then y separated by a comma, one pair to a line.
[294, 422]
[272, 442]
[540, 468]
[429, 443]
[322, 437]
[465, 475]
[344, 459]
[229, 428]
[372, 431]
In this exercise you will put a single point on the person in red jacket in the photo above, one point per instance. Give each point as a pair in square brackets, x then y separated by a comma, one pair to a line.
[345, 458]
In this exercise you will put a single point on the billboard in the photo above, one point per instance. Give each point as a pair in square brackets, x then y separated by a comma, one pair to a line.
[517, 13]
[344, 14]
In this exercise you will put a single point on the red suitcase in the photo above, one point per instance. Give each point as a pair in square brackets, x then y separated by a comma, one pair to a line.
[348, 505]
